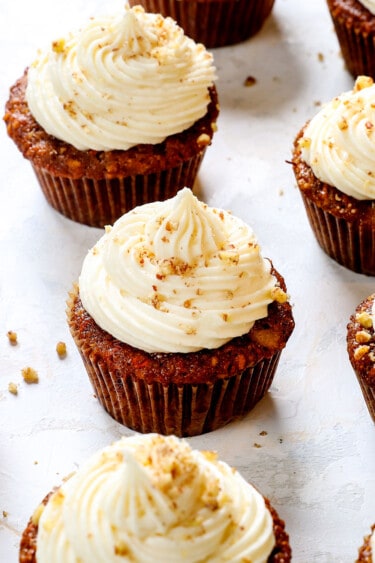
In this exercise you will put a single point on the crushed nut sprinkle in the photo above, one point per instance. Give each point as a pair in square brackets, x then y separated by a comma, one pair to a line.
[364, 319]
[30, 375]
[13, 388]
[363, 336]
[61, 349]
[279, 295]
[361, 351]
[12, 337]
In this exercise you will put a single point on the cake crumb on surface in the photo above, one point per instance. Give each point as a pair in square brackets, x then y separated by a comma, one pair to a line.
[61, 349]
[30, 375]
[12, 337]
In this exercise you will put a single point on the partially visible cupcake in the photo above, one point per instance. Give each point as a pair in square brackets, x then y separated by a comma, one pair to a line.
[361, 349]
[179, 319]
[354, 22]
[367, 549]
[334, 165]
[215, 23]
[154, 499]
[117, 114]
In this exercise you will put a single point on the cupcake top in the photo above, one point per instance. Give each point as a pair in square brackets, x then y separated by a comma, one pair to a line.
[123, 80]
[177, 276]
[369, 4]
[151, 498]
[339, 142]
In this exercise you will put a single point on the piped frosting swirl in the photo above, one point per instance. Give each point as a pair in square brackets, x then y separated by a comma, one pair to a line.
[339, 142]
[177, 276]
[123, 80]
[152, 499]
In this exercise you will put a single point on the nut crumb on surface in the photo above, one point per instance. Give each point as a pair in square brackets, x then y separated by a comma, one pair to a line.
[12, 337]
[13, 388]
[30, 375]
[5, 513]
[61, 349]
[250, 81]
[263, 433]
[257, 445]
[320, 57]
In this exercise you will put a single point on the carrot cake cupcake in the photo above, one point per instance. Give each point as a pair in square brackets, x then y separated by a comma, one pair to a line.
[154, 498]
[361, 349]
[179, 319]
[354, 22]
[117, 114]
[215, 23]
[333, 162]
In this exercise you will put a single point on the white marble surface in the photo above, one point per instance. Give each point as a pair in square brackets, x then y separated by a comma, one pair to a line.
[317, 461]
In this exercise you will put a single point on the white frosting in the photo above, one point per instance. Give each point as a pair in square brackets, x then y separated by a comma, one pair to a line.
[152, 499]
[339, 142]
[369, 4]
[121, 81]
[176, 276]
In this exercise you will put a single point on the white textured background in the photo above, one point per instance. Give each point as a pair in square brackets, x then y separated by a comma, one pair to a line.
[317, 461]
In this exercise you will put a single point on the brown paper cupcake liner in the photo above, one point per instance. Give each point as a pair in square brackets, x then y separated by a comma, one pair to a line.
[365, 551]
[215, 23]
[351, 244]
[368, 395]
[183, 410]
[357, 43]
[100, 202]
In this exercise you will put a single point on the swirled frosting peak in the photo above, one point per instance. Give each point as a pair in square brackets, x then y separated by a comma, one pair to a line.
[339, 142]
[122, 80]
[152, 499]
[176, 276]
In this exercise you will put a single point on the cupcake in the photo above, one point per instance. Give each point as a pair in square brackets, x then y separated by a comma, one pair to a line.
[215, 23]
[354, 22]
[179, 319]
[361, 349]
[333, 162]
[368, 548]
[154, 499]
[115, 115]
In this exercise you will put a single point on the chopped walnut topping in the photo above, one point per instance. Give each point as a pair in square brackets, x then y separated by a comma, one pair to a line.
[12, 337]
[61, 349]
[58, 46]
[364, 319]
[30, 375]
[122, 549]
[362, 82]
[361, 351]
[343, 124]
[13, 388]
[363, 336]
[203, 140]
[231, 257]
[279, 295]
[304, 142]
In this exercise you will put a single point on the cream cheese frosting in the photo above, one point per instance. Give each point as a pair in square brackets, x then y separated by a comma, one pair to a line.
[339, 142]
[369, 4]
[120, 81]
[177, 276]
[150, 499]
